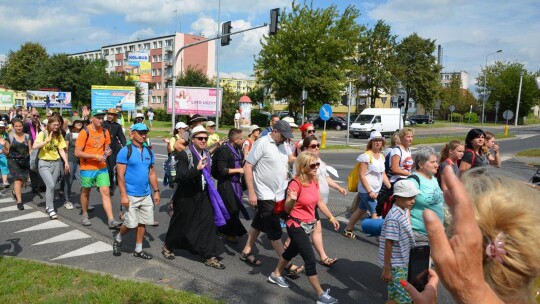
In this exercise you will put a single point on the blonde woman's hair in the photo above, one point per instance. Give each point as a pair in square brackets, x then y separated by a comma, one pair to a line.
[303, 161]
[394, 140]
[511, 208]
[404, 132]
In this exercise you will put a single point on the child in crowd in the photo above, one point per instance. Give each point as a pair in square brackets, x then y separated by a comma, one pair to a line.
[397, 240]
[451, 153]
[4, 149]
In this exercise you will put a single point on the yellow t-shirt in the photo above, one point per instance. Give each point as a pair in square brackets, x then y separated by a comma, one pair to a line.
[50, 150]
[172, 140]
[212, 139]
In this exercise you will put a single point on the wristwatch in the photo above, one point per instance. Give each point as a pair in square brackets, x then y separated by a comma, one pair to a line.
[156, 190]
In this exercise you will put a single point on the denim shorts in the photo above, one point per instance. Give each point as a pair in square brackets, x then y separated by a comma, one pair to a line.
[367, 203]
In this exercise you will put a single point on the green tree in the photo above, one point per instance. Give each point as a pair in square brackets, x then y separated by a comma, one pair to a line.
[376, 61]
[503, 86]
[417, 71]
[21, 64]
[194, 77]
[312, 50]
[454, 95]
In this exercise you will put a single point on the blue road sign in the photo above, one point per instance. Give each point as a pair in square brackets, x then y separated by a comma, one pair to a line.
[325, 112]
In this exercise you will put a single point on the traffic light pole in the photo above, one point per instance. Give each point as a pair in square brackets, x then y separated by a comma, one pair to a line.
[173, 98]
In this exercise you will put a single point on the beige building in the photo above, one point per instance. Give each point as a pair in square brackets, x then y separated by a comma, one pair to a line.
[240, 86]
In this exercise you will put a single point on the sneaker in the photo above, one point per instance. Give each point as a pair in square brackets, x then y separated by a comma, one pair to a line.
[90, 208]
[113, 224]
[116, 247]
[68, 205]
[86, 221]
[326, 298]
[279, 281]
[52, 214]
[6, 185]
[20, 206]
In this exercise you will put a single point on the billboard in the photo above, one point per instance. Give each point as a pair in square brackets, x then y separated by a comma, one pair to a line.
[6, 98]
[48, 99]
[191, 100]
[106, 97]
[139, 67]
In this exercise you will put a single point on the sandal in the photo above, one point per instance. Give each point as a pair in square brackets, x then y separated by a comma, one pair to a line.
[213, 262]
[254, 261]
[328, 262]
[143, 255]
[290, 272]
[167, 254]
[349, 234]
[52, 214]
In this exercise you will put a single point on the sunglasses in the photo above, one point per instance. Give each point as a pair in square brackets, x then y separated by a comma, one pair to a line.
[35, 115]
[201, 138]
[313, 166]
[314, 146]
[310, 131]
[141, 132]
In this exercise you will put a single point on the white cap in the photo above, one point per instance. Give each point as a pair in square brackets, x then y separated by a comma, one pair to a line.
[2, 124]
[197, 130]
[405, 188]
[375, 135]
[290, 120]
[252, 129]
[210, 123]
[180, 125]
[139, 115]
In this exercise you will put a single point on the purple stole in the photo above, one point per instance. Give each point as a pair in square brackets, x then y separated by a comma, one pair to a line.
[236, 181]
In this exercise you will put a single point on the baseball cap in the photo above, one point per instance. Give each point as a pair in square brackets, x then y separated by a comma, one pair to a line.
[197, 130]
[284, 128]
[290, 120]
[139, 127]
[98, 112]
[210, 124]
[139, 115]
[180, 125]
[405, 188]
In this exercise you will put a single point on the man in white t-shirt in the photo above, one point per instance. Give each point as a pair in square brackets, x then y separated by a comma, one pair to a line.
[150, 116]
[266, 176]
[237, 118]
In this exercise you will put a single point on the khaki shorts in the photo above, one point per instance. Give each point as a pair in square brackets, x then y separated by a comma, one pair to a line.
[140, 211]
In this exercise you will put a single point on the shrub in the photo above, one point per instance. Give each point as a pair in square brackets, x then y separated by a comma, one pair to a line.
[161, 115]
[456, 117]
[470, 117]
[258, 118]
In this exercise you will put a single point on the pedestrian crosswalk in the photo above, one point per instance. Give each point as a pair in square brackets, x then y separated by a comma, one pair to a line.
[31, 232]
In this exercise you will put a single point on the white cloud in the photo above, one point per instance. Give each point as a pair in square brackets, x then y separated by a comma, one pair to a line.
[205, 26]
[236, 75]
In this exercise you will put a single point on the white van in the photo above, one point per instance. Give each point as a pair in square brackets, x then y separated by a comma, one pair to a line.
[386, 121]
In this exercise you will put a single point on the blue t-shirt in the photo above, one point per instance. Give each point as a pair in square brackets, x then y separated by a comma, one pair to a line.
[430, 197]
[137, 170]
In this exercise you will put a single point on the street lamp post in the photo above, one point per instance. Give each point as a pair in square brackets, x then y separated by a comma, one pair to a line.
[484, 99]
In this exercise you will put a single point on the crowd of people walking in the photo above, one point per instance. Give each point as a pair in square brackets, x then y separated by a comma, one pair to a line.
[420, 198]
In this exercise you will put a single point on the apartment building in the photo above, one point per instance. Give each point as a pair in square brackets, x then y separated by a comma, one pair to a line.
[160, 53]
[446, 78]
[240, 86]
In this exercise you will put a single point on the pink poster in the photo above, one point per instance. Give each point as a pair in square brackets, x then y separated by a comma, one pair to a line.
[190, 100]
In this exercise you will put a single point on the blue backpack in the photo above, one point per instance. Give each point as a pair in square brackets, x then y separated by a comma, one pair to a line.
[388, 163]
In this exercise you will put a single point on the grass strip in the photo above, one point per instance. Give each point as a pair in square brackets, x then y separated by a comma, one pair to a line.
[33, 282]
[529, 153]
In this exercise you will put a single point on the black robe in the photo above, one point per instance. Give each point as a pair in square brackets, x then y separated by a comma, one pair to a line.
[192, 225]
[225, 161]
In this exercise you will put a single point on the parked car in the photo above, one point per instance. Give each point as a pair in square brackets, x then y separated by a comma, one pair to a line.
[386, 121]
[409, 123]
[333, 122]
[311, 117]
[421, 119]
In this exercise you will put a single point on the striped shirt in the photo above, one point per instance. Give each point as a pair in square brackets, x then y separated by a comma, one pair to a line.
[396, 227]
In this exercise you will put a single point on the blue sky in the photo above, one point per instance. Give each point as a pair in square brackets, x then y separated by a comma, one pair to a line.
[467, 30]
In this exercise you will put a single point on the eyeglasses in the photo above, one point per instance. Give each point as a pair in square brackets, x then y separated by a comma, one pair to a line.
[201, 138]
[313, 166]
[310, 131]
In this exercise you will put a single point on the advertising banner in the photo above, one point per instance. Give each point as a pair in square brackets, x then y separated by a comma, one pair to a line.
[145, 72]
[48, 99]
[106, 97]
[6, 98]
[191, 100]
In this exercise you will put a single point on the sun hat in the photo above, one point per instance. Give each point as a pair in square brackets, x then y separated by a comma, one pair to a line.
[139, 127]
[254, 128]
[375, 135]
[210, 124]
[98, 112]
[290, 120]
[197, 130]
[139, 115]
[284, 128]
[180, 125]
[112, 111]
[405, 188]
[196, 118]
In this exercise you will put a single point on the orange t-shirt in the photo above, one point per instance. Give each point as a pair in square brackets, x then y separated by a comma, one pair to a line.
[93, 142]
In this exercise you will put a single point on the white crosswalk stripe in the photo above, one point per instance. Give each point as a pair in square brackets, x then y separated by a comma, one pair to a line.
[45, 226]
[13, 208]
[33, 215]
[68, 236]
[96, 247]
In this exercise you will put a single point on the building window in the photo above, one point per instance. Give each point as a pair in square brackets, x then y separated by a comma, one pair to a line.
[160, 44]
[154, 45]
[153, 72]
[118, 63]
[112, 63]
[446, 77]
[118, 50]
[158, 72]
[154, 58]
[153, 99]
[168, 42]
[159, 99]
[106, 52]
[147, 45]
[158, 85]
[132, 48]
[125, 61]
[160, 58]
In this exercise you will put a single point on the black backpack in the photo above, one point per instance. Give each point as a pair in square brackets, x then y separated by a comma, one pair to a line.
[130, 150]
[388, 162]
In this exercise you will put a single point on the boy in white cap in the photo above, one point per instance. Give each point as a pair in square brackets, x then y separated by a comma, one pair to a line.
[396, 241]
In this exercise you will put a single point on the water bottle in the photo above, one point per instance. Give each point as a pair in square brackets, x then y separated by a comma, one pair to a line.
[172, 167]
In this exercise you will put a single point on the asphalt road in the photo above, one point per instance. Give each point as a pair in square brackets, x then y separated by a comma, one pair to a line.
[354, 279]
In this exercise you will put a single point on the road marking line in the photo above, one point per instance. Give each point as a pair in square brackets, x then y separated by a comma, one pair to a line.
[96, 247]
[7, 200]
[13, 208]
[44, 226]
[68, 236]
[29, 216]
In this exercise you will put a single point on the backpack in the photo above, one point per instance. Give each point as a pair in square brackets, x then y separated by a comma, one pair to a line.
[11, 136]
[88, 134]
[388, 163]
[352, 179]
[279, 206]
[130, 150]
[383, 209]
[473, 160]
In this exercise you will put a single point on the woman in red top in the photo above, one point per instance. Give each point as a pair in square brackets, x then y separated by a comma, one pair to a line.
[302, 197]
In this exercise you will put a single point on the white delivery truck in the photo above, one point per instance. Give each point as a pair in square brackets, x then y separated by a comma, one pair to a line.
[386, 121]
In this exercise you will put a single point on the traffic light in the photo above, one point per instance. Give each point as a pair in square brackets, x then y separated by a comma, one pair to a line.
[401, 102]
[226, 30]
[274, 20]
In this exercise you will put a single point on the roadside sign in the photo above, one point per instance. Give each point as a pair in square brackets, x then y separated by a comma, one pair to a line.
[325, 112]
[452, 108]
[508, 114]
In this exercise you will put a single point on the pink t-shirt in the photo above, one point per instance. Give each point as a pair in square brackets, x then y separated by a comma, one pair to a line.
[304, 208]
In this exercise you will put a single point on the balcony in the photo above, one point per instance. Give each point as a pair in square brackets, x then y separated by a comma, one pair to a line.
[168, 49]
[168, 63]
